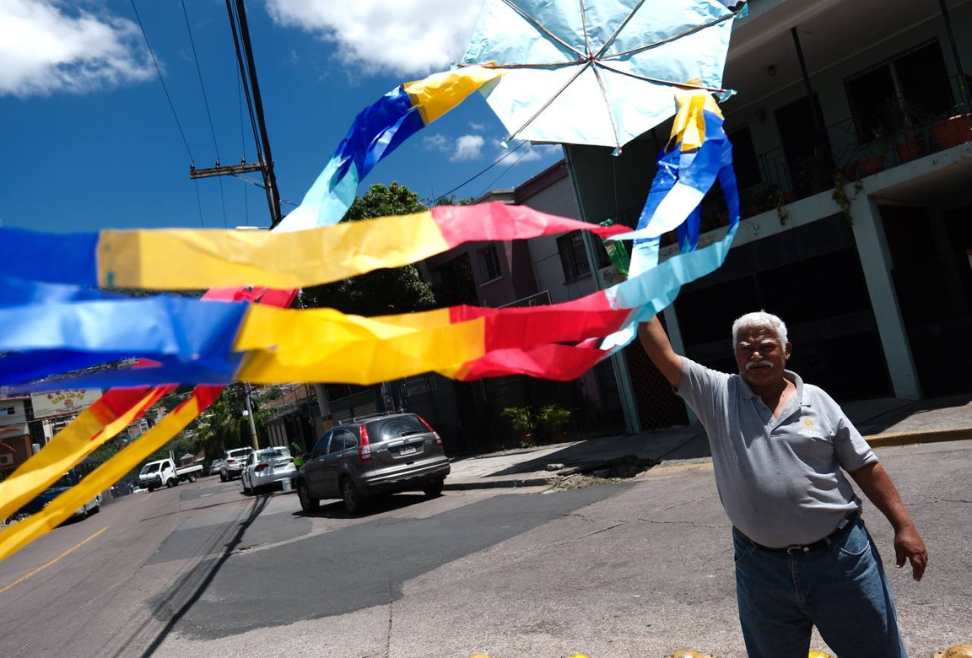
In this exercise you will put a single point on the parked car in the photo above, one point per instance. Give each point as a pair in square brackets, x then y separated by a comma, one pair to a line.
[216, 466]
[374, 455]
[267, 467]
[164, 472]
[65, 482]
[233, 464]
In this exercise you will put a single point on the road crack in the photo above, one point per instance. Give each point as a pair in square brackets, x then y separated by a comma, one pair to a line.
[391, 603]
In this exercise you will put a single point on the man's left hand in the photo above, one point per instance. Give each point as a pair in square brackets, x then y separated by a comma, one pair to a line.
[908, 545]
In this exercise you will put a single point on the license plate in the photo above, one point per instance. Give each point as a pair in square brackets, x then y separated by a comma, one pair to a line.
[408, 451]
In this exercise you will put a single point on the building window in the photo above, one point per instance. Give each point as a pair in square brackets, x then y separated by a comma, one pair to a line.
[573, 258]
[908, 90]
[745, 162]
[491, 263]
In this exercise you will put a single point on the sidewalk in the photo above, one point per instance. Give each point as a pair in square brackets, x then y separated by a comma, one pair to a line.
[884, 422]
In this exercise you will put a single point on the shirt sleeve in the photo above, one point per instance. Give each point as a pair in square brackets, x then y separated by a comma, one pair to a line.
[704, 390]
[853, 452]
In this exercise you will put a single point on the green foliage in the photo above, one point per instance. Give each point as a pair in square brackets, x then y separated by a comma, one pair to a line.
[521, 418]
[223, 425]
[553, 418]
[381, 292]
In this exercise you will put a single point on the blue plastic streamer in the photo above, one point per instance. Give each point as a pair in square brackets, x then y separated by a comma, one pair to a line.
[27, 255]
[376, 132]
[192, 339]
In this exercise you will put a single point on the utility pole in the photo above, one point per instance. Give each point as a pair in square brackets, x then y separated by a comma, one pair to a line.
[243, 47]
[249, 413]
[622, 377]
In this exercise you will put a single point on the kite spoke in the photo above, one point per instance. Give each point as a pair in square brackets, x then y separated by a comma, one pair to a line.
[607, 106]
[689, 32]
[537, 25]
[607, 44]
[659, 81]
[548, 103]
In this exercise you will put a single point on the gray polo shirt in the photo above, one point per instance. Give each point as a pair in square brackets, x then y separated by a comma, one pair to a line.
[779, 479]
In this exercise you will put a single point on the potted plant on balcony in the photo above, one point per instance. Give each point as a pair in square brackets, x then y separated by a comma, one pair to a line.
[953, 130]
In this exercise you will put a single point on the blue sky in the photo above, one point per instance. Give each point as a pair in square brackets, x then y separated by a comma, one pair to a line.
[89, 141]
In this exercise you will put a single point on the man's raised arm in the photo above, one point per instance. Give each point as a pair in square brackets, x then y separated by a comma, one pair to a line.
[655, 341]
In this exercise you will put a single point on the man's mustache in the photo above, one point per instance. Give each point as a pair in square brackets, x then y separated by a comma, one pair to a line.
[759, 364]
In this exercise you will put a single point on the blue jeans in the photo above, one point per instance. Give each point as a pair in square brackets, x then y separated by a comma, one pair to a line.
[841, 589]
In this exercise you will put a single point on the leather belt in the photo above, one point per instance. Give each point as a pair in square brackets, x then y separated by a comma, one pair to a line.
[845, 524]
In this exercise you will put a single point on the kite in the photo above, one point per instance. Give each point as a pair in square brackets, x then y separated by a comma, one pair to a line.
[230, 337]
[615, 63]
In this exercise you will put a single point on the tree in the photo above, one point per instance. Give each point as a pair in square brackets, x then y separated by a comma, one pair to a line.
[382, 292]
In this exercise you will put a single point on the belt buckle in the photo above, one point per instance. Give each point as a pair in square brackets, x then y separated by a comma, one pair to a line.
[793, 548]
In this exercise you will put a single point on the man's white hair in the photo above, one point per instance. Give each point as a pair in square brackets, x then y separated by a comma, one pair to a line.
[760, 320]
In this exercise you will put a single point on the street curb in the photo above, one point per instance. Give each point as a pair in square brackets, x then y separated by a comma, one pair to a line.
[912, 438]
[887, 440]
[499, 484]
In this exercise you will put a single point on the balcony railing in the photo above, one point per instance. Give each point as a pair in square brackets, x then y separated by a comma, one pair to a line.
[854, 155]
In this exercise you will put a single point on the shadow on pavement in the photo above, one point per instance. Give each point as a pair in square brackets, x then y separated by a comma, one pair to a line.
[198, 581]
[377, 505]
[881, 419]
[363, 565]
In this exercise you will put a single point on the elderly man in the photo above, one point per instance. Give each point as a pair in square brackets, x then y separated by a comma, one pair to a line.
[803, 556]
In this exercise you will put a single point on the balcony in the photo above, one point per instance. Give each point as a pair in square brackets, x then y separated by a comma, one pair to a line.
[852, 153]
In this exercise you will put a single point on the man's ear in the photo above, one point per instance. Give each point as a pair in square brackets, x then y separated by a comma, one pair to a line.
[787, 350]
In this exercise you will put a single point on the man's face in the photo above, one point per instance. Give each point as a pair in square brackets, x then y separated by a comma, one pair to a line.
[760, 356]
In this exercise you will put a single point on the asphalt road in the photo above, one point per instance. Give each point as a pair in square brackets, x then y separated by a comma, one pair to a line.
[632, 569]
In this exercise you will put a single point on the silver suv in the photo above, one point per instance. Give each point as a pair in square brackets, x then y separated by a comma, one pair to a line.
[372, 456]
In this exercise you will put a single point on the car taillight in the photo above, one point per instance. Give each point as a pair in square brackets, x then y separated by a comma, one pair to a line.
[364, 448]
[261, 467]
[438, 439]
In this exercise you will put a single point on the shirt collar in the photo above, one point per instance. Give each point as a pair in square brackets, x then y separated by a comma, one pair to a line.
[789, 374]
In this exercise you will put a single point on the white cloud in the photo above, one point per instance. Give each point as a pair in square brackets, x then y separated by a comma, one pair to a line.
[477, 127]
[468, 147]
[436, 142]
[398, 36]
[46, 48]
[530, 152]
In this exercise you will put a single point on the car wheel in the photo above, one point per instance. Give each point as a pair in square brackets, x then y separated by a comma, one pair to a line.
[95, 509]
[247, 491]
[222, 476]
[353, 499]
[151, 489]
[307, 502]
[434, 488]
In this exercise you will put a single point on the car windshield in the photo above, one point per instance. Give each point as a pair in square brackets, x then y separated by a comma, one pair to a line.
[272, 453]
[66, 480]
[151, 468]
[396, 427]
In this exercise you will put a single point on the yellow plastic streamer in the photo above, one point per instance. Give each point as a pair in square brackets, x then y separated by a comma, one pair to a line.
[18, 535]
[439, 93]
[67, 449]
[185, 259]
[688, 128]
[322, 345]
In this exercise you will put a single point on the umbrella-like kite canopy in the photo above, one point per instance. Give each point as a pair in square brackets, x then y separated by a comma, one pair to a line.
[597, 71]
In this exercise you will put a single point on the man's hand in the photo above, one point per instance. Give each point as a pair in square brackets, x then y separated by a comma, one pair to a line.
[908, 545]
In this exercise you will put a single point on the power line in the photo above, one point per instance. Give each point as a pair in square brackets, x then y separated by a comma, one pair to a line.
[254, 183]
[202, 221]
[504, 172]
[158, 71]
[209, 114]
[242, 77]
[487, 168]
